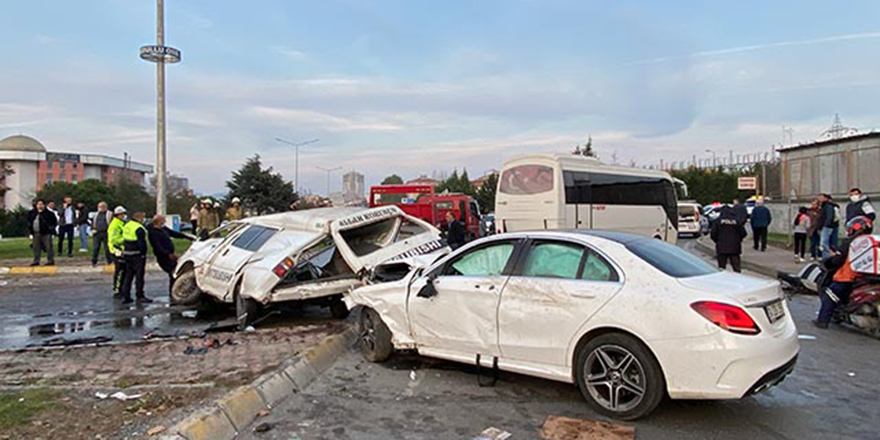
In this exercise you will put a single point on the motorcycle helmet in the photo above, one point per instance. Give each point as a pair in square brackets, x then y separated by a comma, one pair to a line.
[860, 225]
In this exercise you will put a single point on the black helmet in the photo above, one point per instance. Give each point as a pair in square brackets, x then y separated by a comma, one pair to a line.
[860, 225]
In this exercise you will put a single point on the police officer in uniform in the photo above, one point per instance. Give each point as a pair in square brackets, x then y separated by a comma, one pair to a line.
[134, 236]
[114, 244]
[728, 232]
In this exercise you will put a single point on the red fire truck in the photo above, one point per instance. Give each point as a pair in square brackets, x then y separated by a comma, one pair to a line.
[422, 202]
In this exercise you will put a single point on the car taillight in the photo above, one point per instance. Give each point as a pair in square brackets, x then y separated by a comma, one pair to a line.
[731, 318]
[282, 267]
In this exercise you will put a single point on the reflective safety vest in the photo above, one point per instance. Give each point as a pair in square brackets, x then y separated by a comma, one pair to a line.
[114, 236]
[130, 238]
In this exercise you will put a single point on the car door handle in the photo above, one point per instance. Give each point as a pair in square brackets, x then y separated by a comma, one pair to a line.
[583, 295]
[225, 252]
[490, 287]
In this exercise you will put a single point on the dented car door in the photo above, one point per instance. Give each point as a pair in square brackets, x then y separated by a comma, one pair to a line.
[458, 315]
[220, 273]
[558, 282]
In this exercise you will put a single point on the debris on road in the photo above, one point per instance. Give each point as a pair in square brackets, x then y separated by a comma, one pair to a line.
[119, 395]
[807, 337]
[263, 427]
[412, 375]
[262, 413]
[492, 433]
[851, 374]
[156, 430]
[64, 342]
[192, 350]
[189, 313]
[564, 428]
[250, 329]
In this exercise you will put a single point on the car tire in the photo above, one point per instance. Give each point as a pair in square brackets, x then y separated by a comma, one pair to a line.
[185, 290]
[626, 381]
[375, 337]
[338, 309]
[246, 310]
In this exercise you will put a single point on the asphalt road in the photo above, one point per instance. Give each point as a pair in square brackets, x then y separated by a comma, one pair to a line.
[831, 394]
[36, 309]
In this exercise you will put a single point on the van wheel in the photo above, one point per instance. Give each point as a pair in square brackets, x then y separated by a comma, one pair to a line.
[185, 290]
[246, 311]
[619, 377]
[338, 309]
[375, 337]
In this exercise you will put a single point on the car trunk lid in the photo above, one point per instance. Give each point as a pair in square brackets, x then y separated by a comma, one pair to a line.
[746, 290]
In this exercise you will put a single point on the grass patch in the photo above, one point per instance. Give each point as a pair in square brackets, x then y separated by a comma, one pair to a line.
[17, 409]
[20, 247]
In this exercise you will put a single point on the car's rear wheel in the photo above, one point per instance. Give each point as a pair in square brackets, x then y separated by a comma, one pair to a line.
[375, 337]
[619, 376]
[246, 310]
[185, 290]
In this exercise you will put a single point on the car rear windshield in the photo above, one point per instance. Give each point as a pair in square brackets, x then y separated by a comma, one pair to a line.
[670, 259]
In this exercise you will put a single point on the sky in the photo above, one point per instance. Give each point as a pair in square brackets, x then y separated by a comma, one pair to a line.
[415, 86]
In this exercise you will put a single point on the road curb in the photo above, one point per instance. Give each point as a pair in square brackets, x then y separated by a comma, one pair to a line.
[63, 270]
[232, 413]
[766, 271]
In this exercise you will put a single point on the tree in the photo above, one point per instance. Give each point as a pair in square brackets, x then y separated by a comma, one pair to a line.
[131, 195]
[260, 189]
[393, 179]
[486, 194]
[587, 150]
[456, 183]
[713, 185]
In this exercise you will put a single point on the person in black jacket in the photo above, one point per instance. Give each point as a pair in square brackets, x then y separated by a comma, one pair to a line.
[455, 234]
[860, 205]
[41, 225]
[163, 247]
[728, 232]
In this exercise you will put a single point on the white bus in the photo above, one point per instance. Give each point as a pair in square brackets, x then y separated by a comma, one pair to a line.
[566, 191]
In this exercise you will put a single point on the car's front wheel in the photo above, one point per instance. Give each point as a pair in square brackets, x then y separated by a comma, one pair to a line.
[375, 337]
[619, 377]
[185, 290]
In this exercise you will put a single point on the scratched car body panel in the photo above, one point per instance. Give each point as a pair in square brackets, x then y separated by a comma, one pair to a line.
[304, 254]
[499, 300]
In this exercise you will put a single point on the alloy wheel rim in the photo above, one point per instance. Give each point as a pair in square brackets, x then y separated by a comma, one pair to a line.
[368, 337]
[614, 378]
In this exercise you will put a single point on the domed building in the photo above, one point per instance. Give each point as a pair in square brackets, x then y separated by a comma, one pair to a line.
[31, 167]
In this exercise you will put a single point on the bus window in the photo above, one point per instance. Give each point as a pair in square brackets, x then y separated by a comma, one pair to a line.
[577, 187]
[526, 180]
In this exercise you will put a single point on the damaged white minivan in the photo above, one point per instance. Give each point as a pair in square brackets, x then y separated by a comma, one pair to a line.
[313, 255]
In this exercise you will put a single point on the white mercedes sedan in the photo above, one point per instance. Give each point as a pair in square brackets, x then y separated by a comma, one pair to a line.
[627, 319]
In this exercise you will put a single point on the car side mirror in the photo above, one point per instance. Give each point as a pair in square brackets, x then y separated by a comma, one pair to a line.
[428, 290]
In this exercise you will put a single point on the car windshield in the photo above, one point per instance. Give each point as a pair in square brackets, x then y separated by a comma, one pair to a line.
[670, 259]
[370, 238]
[686, 210]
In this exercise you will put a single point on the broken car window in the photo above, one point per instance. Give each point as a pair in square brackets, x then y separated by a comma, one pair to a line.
[370, 238]
[484, 261]
[318, 262]
[409, 229]
[553, 260]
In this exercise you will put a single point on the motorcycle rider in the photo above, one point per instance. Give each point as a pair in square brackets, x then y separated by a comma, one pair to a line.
[839, 268]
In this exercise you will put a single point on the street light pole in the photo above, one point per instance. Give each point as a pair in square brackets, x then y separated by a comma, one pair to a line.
[160, 54]
[713, 156]
[328, 171]
[296, 158]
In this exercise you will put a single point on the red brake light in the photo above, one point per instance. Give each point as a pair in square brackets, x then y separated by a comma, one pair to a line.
[281, 269]
[731, 318]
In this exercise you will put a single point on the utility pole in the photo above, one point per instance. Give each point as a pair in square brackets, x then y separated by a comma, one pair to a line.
[160, 54]
[296, 146]
[328, 171]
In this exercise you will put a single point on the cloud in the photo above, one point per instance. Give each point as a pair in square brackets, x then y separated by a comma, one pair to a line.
[314, 120]
[758, 47]
[291, 54]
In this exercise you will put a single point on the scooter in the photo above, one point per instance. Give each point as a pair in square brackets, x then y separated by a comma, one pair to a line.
[862, 311]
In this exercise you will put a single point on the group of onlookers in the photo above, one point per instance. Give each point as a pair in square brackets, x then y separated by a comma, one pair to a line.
[820, 222]
[122, 239]
[205, 216]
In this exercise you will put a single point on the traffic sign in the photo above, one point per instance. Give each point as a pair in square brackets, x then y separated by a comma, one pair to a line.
[747, 183]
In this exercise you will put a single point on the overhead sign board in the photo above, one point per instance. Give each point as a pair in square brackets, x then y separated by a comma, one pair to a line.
[160, 53]
[747, 183]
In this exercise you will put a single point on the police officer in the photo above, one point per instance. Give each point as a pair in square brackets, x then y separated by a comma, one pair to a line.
[114, 244]
[134, 236]
[728, 232]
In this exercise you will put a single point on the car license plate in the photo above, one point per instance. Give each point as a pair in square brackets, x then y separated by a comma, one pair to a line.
[775, 311]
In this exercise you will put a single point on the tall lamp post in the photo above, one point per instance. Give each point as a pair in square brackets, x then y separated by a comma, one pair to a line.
[713, 156]
[296, 145]
[328, 171]
[160, 54]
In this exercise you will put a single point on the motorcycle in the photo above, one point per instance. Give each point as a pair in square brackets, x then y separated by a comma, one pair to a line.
[862, 311]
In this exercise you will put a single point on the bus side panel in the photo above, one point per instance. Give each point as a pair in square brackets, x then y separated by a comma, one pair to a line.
[649, 221]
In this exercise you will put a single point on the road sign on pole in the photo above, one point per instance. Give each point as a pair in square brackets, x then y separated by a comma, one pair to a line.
[747, 183]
